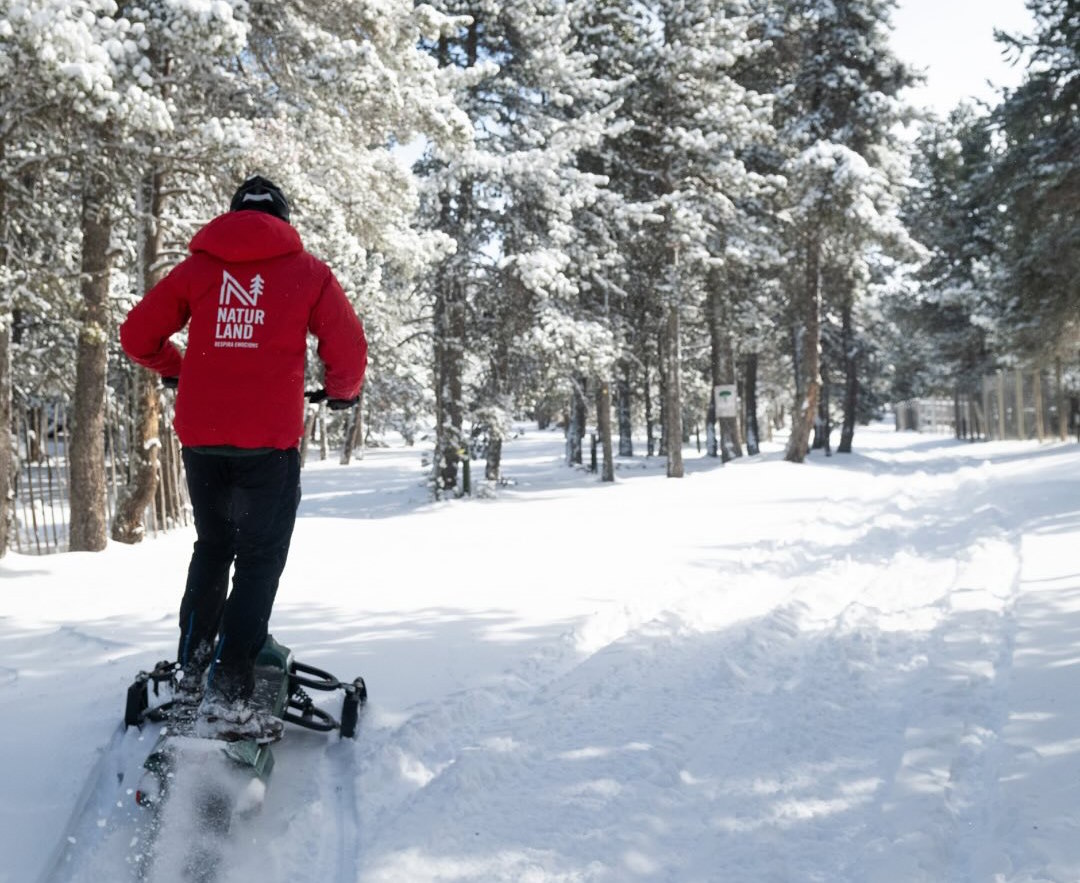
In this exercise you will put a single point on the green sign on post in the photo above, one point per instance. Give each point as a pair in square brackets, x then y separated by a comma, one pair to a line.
[725, 401]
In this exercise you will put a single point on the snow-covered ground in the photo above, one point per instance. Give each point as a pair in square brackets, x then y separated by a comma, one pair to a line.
[863, 669]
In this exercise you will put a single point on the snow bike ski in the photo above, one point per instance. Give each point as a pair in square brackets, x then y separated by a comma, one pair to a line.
[194, 786]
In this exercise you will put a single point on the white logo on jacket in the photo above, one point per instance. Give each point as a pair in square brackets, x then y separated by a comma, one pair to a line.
[235, 325]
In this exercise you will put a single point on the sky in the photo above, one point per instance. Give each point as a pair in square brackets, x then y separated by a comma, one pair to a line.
[954, 41]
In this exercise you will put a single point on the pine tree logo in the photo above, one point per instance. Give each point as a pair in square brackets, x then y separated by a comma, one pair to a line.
[238, 315]
[231, 288]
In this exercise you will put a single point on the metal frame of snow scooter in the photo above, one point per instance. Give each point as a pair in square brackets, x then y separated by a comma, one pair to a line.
[281, 687]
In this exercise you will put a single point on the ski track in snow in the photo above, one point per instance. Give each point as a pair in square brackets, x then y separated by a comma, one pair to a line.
[863, 682]
[105, 837]
[945, 741]
[612, 742]
[110, 838]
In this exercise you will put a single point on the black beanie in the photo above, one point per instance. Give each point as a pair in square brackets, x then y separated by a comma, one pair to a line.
[262, 195]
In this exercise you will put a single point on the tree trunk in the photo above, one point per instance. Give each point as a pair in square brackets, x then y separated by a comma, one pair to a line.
[493, 460]
[324, 438]
[797, 336]
[623, 408]
[354, 432]
[493, 457]
[449, 313]
[712, 440]
[575, 430]
[823, 423]
[128, 523]
[500, 393]
[750, 404]
[851, 377]
[808, 340]
[449, 348]
[88, 506]
[661, 387]
[309, 429]
[722, 373]
[730, 447]
[650, 438]
[8, 460]
[1059, 387]
[603, 425]
[349, 439]
[716, 343]
[673, 386]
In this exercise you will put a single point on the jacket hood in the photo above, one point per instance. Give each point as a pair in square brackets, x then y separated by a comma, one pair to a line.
[246, 236]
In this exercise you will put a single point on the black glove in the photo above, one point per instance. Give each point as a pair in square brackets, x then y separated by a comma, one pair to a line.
[341, 404]
[320, 395]
[170, 382]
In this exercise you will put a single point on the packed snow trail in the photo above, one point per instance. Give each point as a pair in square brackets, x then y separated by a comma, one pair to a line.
[859, 670]
[781, 748]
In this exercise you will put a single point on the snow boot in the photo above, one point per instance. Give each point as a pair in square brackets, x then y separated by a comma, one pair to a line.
[190, 683]
[235, 719]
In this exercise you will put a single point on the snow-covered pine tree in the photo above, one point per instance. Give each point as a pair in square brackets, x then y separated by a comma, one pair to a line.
[51, 58]
[610, 32]
[1037, 180]
[557, 231]
[343, 87]
[102, 102]
[510, 321]
[190, 65]
[944, 339]
[147, 99]
[678, 163]
[80, 72]
[837, 112]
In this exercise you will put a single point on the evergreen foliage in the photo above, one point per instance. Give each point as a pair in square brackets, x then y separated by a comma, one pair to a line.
[617, 205]
[1036, 183]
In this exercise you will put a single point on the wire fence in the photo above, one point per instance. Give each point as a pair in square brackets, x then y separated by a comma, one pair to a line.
[926, 415]
[1009, 404]
[43, 476]
[1025, 405]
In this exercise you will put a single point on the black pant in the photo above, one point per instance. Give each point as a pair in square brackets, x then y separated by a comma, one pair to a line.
[245, 509]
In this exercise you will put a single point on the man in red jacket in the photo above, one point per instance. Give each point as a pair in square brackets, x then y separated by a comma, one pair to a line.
[249, 295]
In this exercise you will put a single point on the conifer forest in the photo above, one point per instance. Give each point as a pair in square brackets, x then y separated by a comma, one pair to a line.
[591, 214]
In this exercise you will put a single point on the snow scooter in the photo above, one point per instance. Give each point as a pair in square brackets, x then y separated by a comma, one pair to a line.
[201, 783]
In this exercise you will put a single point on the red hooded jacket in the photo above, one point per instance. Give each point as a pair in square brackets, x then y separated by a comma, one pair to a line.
[251, 294]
